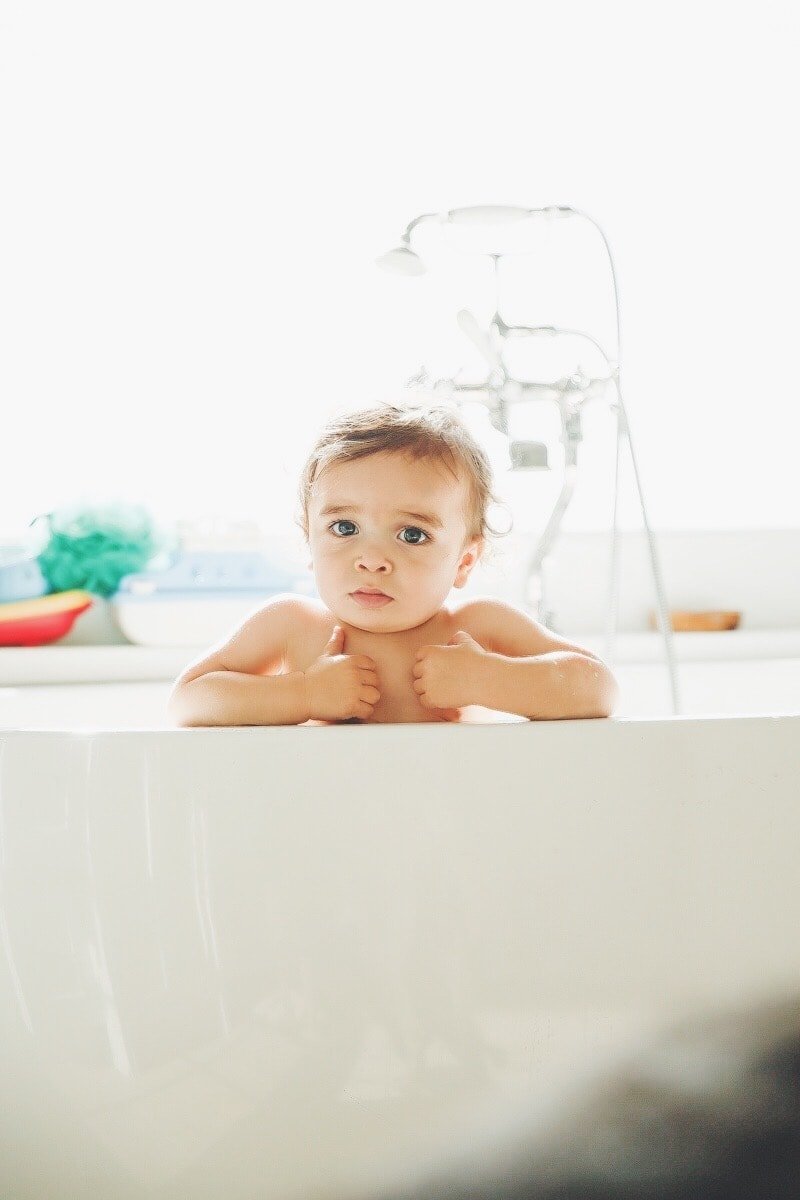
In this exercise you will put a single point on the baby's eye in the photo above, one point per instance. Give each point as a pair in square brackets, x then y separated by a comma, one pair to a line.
[333, 529]
[418, 536]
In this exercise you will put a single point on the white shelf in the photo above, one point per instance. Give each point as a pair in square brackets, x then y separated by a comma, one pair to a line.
[122, 663]
[95, 664]
[728, 645]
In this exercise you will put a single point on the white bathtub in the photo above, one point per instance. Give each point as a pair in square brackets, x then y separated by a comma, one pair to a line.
[263, 962]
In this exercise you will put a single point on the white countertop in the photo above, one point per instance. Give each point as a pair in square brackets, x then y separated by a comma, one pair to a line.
[82, 663]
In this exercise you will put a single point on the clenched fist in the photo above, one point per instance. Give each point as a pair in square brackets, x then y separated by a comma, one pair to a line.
[448, 676]
[341, 686]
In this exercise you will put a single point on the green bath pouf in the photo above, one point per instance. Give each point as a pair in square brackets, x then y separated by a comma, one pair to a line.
[94, 547]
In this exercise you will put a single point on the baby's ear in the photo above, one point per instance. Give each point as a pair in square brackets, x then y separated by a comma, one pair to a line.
[470, 555]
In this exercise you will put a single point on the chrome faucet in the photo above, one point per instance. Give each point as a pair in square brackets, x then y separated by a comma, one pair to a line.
[499, 391]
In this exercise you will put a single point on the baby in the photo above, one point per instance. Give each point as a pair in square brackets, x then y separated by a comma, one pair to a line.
[394, 512]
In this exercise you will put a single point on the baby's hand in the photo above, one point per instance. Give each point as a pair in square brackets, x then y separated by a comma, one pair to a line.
[340, 686]
[446, 676]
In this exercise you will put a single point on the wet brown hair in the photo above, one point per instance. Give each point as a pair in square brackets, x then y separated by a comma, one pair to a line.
[427, 432]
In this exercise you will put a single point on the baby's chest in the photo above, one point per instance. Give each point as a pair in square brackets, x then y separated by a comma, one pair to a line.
[395, 676]
[399, 701]
[394, 668]
[395, 671]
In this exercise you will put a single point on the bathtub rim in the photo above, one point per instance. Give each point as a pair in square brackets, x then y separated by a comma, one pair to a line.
[399, 730]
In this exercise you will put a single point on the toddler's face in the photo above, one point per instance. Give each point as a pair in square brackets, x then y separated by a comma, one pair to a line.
[387, 539]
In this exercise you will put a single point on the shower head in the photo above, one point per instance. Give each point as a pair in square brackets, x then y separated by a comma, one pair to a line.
[401, 261]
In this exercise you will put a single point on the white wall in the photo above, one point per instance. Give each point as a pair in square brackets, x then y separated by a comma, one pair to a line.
[194, 194]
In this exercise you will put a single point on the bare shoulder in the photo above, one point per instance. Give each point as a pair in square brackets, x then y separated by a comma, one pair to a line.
[502, 628]
[259, 645]
[307, 633]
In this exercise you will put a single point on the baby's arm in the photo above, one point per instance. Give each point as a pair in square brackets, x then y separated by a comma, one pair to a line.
[511, 663]
[237, 683]
[533, 672]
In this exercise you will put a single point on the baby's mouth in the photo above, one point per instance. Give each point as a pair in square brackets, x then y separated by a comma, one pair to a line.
[370, 599]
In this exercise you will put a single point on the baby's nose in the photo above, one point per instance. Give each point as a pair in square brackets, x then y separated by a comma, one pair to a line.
[373, 559]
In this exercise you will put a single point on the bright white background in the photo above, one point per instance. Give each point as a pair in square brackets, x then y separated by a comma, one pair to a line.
[193, 196]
